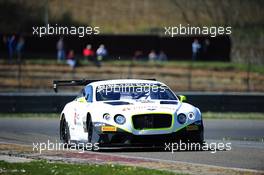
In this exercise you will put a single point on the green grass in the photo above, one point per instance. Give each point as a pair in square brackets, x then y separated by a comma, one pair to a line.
[43, 168]
[206, 115]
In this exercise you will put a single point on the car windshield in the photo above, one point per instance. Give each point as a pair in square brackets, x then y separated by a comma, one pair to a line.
[134, 92]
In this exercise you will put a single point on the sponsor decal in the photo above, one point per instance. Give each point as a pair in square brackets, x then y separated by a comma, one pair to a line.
[108, 128]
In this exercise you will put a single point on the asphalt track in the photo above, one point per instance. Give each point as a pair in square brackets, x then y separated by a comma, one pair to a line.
[246, 137]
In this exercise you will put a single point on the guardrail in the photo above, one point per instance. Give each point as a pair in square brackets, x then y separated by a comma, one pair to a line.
[51, 102]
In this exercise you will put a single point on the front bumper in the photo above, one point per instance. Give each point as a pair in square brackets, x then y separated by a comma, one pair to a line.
[119, 137]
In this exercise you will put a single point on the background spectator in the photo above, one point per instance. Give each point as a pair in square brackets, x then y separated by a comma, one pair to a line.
[162, 56]
[20, 47]
[88, 53]
[206, 45]
[60, 50]
[152, 56]
[101, 52]
[195, 49]
[11, 46]
[71, 60]
[138, 55]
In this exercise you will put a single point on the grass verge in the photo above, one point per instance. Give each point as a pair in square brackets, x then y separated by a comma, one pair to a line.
[43, 168]
[206, 115]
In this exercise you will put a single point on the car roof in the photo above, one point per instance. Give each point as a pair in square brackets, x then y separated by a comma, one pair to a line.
[120, 81]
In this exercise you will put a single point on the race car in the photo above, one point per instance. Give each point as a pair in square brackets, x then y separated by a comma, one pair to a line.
[128, 112]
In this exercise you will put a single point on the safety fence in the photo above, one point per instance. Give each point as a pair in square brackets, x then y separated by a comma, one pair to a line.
[52, 103]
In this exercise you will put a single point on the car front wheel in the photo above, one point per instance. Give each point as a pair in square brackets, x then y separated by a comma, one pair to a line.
[64, 132]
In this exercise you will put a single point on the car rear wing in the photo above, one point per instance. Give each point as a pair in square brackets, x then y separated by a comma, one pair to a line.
[84, 82]
[57, 83]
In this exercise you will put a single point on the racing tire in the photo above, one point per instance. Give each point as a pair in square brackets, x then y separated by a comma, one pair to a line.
[65, 132]
[197, 138]
[89, 128]
[91, 132]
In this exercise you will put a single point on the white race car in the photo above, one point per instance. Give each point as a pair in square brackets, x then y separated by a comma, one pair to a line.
[128, 112]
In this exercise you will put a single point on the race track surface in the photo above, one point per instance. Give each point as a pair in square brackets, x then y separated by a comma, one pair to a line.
[246, 137]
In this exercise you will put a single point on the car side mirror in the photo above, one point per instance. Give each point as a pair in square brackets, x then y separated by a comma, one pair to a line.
[182, 98]
[86, 97]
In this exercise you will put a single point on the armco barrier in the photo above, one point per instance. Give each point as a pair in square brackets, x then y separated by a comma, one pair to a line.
[51, 102]
[28, 102]
[227, 102]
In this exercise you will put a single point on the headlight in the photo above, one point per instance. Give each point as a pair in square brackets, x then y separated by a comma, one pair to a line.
[120, 119]
[191, 116]
[107, 116]
[181, 118]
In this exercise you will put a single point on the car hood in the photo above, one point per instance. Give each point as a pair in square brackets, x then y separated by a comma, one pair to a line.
[142, 106]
